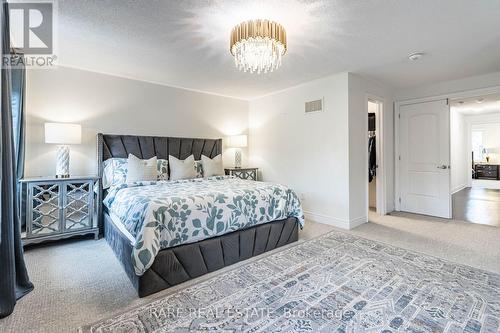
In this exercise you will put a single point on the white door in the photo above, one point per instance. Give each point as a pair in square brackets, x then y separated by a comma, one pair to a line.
[425, 158]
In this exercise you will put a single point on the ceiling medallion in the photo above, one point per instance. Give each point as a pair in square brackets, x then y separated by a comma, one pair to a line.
[258, 45]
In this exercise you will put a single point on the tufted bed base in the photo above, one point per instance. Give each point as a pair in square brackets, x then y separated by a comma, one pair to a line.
[185, 262]
[182, 263]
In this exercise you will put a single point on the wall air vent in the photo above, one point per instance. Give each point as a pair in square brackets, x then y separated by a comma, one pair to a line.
[314, 106]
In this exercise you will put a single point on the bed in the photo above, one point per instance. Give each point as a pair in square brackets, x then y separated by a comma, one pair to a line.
[168, 232]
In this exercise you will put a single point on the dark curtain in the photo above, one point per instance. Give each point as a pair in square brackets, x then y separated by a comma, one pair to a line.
[18, 79]
[14, 281]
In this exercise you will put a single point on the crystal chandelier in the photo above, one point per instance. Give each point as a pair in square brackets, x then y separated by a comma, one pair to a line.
[258, 45]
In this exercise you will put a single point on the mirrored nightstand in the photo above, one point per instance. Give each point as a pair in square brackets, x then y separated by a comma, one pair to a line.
[56, 208]
[243, 173]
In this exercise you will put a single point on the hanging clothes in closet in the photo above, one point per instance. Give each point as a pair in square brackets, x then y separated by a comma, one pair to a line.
[372, 149]
[372, 158]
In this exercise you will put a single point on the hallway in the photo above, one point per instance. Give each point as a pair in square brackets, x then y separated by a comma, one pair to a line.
[477, 205]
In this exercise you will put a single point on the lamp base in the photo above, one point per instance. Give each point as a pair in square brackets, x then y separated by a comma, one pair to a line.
[62, 162]
[237, 158]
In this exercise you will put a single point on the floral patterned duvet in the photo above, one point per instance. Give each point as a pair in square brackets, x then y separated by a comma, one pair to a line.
[165, 214]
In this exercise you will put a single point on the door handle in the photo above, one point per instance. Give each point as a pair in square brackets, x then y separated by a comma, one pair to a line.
[444, 167]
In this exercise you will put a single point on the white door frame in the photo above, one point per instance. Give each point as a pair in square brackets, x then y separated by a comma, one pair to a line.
[397, 124]
[379, 142]
[469, 149]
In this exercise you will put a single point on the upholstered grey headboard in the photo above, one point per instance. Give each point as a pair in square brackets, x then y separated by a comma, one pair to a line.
[112, 145]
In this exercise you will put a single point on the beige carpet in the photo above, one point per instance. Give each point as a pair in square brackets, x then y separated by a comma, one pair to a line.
[79, 282]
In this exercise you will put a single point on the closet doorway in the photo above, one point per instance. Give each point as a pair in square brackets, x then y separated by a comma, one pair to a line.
[374, 142]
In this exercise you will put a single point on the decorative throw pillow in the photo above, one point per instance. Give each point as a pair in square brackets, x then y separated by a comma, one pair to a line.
[198, 168]
[212, 166]
[181, 169]
[141, 170]
[162, 168]
[114, 172]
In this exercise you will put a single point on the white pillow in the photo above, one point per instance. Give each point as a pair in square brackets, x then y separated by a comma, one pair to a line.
[141, 170]
[115, 171]
[180, 169]
[212, 166]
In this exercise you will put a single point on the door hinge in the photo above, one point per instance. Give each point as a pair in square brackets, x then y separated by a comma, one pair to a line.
[399, 115]
[400, 157]
[400, 200]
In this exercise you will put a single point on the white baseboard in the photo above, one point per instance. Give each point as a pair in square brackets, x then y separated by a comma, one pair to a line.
[358, 221]
[325, 219]
[334, 221]
[458, 188]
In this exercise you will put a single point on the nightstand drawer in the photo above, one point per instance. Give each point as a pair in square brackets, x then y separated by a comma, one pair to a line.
[488, 173]
[489, 168]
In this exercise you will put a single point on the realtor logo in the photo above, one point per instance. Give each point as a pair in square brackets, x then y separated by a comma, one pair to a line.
[32, 30]
[31, 27]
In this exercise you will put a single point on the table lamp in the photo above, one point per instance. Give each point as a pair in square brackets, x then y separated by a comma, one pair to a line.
[63, 135]
[487, 156]
[237, 142]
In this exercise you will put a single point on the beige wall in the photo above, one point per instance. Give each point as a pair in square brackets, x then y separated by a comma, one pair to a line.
[308, 152]
[324, 155]
[108, 104]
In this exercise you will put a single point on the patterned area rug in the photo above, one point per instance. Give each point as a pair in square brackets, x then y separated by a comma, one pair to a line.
[335, 283]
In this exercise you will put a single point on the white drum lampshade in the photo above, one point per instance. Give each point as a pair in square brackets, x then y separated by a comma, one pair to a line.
[237, 142]
[63, 134]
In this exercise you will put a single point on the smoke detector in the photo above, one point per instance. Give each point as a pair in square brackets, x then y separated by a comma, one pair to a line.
[416, 56]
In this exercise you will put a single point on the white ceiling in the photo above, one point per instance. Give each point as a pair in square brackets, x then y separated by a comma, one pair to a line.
[185, 43]
[477, 105]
